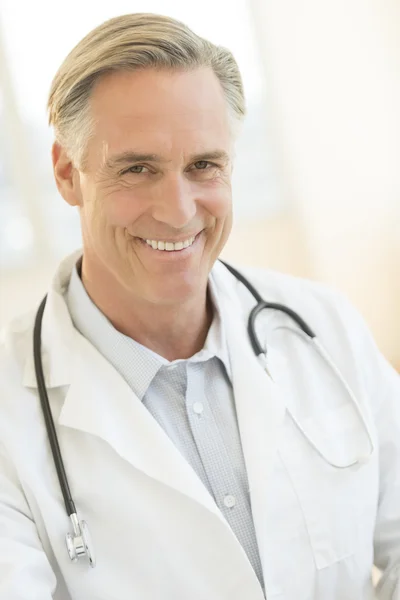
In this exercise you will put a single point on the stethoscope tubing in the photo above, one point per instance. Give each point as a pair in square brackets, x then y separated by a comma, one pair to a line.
[48, 417]
[262, 305]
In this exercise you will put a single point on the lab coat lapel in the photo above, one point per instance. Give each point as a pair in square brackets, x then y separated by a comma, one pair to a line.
[101, 403]
[259, 399]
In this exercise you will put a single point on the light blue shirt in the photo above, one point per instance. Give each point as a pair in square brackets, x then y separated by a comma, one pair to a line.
[191, 399]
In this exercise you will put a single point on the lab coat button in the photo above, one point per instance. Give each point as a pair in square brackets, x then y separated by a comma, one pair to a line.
[198, 408]
[229, 501]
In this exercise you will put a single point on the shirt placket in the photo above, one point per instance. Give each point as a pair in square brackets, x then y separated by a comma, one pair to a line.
[231, 497]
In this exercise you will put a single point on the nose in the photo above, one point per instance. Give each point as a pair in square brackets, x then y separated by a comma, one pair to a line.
[174, 201]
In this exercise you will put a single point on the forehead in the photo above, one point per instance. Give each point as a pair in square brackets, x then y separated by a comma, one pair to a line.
[150, 109]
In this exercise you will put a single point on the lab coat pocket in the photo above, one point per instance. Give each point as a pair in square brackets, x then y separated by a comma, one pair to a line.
[335, 502]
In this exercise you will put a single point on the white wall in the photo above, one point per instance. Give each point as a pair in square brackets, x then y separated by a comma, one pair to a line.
[333, 74]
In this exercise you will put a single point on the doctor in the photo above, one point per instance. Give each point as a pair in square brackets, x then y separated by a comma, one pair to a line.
[200, 474]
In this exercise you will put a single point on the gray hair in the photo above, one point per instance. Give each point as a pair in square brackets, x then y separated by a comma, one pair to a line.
[131, 42]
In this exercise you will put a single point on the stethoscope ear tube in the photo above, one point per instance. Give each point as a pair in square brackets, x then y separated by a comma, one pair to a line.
[262, 305]
[251, 330]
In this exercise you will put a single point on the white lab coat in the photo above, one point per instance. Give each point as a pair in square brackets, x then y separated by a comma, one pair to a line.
[157, 532]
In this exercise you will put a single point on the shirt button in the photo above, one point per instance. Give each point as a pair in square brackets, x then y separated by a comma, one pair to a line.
[229, 501]
[198, 408]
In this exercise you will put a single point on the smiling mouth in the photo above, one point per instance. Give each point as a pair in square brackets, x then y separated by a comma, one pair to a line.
[168, 246]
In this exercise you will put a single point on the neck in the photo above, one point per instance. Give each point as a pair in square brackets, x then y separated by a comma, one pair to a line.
[172, 331]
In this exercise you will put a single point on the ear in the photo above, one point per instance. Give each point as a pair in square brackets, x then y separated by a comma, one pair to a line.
[66, 175]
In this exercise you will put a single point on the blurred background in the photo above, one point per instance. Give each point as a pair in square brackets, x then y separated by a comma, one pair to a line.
[317, 174]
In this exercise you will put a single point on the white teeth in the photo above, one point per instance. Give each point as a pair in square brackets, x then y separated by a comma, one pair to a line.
[170, 246]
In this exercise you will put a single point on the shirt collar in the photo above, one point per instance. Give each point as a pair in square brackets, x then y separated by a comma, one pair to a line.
[215, 344]
[123, 352]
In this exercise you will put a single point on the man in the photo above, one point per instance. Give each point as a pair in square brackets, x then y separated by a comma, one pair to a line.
[200, 474]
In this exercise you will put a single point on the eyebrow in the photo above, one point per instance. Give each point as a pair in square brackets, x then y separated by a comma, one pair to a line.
[129, 157]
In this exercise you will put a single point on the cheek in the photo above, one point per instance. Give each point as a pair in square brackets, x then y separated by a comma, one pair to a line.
[122, 208]
[218, 203]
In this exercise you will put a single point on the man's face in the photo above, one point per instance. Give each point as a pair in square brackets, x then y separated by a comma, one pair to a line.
[158, 169]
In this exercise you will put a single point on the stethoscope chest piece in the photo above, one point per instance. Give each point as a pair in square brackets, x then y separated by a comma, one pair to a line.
[79, 544]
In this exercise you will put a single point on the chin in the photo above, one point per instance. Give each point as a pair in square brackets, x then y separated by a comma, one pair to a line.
[175, 289]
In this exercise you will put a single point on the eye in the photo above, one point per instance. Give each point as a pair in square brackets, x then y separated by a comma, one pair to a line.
[202, 164]
[136, 170]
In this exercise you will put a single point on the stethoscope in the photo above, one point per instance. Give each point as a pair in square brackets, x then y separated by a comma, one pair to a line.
[79, 544]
